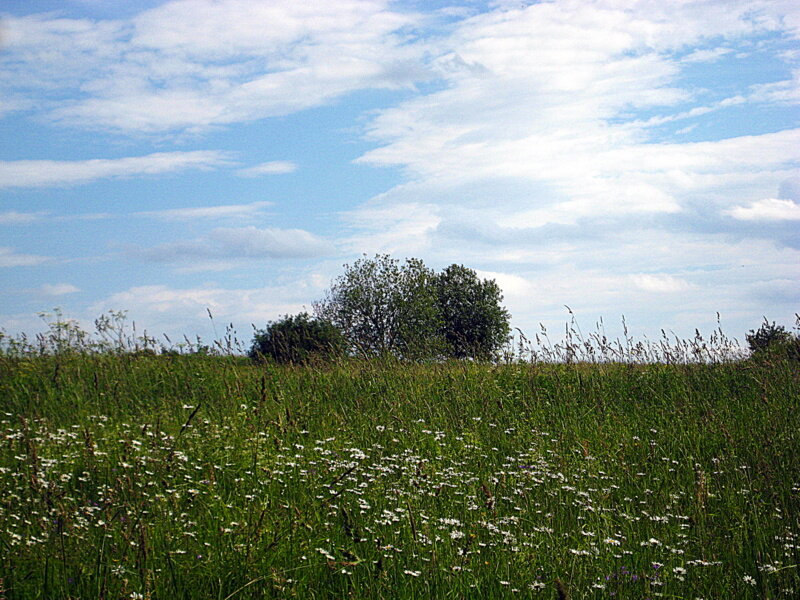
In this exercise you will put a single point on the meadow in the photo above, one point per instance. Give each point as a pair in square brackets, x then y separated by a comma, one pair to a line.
[132, 475]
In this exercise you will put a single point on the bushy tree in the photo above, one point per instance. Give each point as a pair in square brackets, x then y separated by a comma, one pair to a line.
[384, 307]
[474, 323]
[298, 339]
[773, 340]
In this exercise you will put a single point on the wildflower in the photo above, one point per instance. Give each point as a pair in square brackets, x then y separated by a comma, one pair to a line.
[767, 568]
[749, 580]
[536, 586]
[325, 553]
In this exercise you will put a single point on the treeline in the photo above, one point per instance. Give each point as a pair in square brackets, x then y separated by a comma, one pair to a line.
[382, 307]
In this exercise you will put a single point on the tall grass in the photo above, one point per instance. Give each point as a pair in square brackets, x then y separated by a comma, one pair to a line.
[136, 475]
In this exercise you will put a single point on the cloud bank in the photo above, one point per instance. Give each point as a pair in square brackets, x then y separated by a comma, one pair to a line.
[44, 173]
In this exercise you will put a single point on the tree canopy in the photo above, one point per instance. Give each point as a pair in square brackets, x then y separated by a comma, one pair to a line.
[474, 324]
[298, 339]
[771, 339]
[383, 306]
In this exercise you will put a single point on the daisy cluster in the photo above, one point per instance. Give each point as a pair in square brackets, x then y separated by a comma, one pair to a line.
[482, 506]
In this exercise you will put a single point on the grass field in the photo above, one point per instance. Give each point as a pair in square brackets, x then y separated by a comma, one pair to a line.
[125, 476]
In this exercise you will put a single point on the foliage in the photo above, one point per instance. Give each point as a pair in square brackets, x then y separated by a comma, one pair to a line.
[298, 339]
[409, 311]
[383, 308]
[475, 325]
[197, 476]
[771, 339]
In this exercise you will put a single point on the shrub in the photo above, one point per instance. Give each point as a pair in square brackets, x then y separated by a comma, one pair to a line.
[771, 340]
[298, 339]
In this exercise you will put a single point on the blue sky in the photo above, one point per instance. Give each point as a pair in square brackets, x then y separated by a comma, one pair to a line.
[621, 157]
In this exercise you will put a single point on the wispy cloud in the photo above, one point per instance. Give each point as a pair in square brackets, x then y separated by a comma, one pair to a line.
[192, 64]
[542, 110]
[13, 217]
[222, 211]
[237, 243]
[770, 209]
[278, 167]
[9, 105]
[43, 173]
[59, 289]
[660, 283]
[10, 258]
[706, 55]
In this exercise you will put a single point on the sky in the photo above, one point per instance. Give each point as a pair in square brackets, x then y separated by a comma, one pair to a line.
[623, 158]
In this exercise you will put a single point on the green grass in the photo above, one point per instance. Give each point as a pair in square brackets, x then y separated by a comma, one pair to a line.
[170, 477]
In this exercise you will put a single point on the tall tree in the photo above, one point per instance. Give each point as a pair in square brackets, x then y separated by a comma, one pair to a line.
[474, 323]
[385, 307]
[407, 310]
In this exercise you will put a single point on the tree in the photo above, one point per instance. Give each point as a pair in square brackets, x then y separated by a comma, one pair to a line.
[383, 307]
[298, 339]
[407, 310]
[773, 340]
[474, 324]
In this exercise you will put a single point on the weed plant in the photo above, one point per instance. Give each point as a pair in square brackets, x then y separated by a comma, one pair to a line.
[194, 475]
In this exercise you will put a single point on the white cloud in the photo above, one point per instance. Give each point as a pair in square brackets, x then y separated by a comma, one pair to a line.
[548, 93]
[394, 229]
[233, 243]
[222, 211]
[537, 146]
[660, 283]
[13, 217]
[786, 92]
[9, 105]
[629, 274]
[41, 173]
[706, 55]
[770, 209]
[10, 258]
[514, 287]
[59, 289]
[277, 167]
[192, 64]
